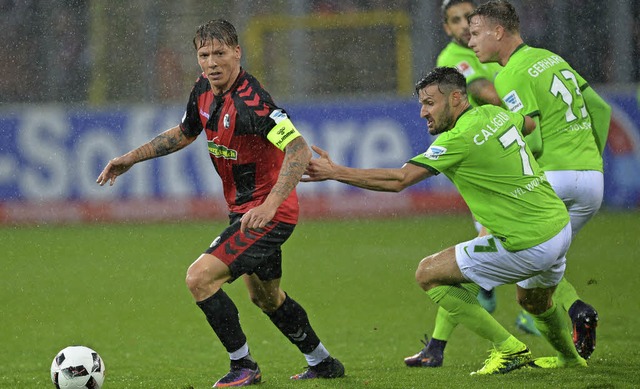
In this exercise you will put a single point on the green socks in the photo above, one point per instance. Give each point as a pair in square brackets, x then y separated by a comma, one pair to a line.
[554, 327]
[444, 324]
[565, 294]
[463, 307]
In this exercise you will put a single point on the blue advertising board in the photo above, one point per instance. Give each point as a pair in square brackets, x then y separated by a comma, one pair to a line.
[55, 153]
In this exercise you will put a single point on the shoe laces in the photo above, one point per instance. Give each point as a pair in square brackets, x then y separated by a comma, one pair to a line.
[495, 357]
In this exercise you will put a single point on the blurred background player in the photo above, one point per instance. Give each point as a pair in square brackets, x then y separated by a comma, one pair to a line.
[260, 157]
[482, 151]
[572, 126]
[480, 90]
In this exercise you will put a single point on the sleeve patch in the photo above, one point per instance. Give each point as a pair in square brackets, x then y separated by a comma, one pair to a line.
[513, 102]
[434, 152]
[278, 115]
[465, 69]
[283, 133]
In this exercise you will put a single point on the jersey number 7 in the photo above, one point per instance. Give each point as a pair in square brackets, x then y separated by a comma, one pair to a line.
[513, 136]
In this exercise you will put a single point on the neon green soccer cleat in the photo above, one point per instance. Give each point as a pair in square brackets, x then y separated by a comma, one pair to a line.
[501, 363]
[556, 363]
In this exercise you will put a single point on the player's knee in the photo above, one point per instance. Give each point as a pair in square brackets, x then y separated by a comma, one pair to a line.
[257, 301]
[534, 306]
[424, 277]
[195, 279]
[266, 303]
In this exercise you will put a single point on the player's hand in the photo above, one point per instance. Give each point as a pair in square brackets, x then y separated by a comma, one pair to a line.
[114, 168]
[256, 218]
[319, 169]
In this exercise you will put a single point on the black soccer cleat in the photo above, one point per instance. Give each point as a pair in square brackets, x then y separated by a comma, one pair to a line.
[328, 368]
[584, 319]
[432, 355]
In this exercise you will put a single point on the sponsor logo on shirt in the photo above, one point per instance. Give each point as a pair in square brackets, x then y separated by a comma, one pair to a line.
[513, 102]
[434, 152]
[278, 115]
[465, 69]
[220, 151]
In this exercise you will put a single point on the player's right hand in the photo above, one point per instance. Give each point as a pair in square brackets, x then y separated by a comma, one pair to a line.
[319, 169]
[114, 168]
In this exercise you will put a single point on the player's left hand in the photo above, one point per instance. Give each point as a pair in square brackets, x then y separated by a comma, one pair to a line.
[256, 218]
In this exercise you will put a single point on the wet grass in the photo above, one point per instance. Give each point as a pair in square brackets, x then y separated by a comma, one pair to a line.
[120, 290]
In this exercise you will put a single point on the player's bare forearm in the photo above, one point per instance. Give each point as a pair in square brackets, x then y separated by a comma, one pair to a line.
[382, 180]
[484, 92]
[168, 142]
[296, 159]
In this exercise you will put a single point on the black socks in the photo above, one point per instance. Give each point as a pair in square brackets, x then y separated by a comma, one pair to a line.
[222, 316]
[292, 320]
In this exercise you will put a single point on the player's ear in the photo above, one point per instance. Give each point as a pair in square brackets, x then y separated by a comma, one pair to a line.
[455, 98]
[499, 32]
[238, 52]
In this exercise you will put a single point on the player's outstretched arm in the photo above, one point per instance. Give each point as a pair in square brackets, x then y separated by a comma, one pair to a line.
[168, 142]
[383, 180]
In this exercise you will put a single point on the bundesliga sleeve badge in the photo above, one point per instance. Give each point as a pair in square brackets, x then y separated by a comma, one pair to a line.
[434, 152]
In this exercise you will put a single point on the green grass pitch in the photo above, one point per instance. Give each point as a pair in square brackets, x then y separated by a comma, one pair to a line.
[120, 290]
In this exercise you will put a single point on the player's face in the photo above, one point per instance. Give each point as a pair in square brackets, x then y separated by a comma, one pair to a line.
[483, 40]
[456, 25]
[435, 107]
[220, 63]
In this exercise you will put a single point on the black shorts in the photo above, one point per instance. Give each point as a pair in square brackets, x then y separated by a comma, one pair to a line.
[256, 251]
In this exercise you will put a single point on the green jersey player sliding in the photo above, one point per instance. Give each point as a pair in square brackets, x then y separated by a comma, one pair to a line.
[482, 151]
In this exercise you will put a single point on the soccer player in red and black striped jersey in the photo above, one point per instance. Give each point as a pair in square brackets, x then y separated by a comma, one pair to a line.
[260, 157]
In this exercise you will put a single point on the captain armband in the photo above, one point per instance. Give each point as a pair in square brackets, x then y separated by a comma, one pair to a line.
[283, 133]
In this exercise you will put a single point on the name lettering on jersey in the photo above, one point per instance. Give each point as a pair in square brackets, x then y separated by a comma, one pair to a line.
[203, 113]
[513, 102]
[465, 69]
[487, 132]
[530, 186]
[582, 126]
[434, 152]
[539, 67]
[220, 151]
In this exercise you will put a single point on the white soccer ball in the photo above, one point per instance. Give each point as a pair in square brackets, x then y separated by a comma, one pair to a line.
[77, 367]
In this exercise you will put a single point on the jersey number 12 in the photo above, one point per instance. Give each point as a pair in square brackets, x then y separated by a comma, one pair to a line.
[559, 88]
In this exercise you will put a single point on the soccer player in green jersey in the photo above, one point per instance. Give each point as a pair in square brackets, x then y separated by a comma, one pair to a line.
[573, 122]
[479, 76]
[480, 91]
[482, 151]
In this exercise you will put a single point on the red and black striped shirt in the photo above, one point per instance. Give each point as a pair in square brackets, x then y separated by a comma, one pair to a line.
[236, 124]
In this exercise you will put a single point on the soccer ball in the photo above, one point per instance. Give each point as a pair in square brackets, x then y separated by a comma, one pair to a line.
[77, 367]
